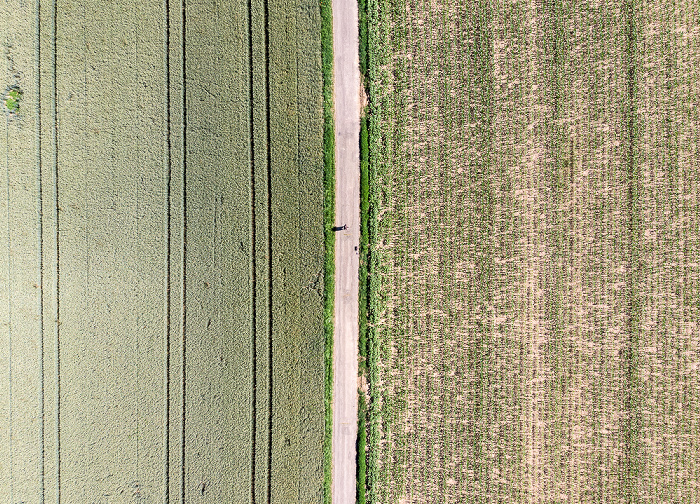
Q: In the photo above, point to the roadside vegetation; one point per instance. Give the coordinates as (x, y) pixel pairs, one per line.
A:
(13, 97)
(329, 236)
(363, 305)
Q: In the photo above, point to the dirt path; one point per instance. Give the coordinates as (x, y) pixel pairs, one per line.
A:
(347, 125)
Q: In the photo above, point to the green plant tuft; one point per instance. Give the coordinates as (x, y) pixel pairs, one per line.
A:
(12, 100)
(329, 236)
(361, 450)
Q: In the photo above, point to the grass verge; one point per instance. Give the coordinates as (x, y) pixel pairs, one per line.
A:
(364, 242)
(363, 32)
(364, 264)
(361, 443)
(373, 152)
(329, 237)
(363, 309)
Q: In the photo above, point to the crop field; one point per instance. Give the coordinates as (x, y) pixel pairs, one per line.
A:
(534, 272)
(162, 273)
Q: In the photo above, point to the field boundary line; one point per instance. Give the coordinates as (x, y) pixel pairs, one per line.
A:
(253, 263)
(168, 250)
(328, 238)
(40, 222)
(183, 244)
(57, 346)
(266, 23)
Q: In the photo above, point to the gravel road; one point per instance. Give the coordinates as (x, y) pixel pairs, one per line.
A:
(347, 126)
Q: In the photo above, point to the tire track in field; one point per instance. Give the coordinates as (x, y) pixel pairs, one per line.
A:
(168, 251)
(252, 261)
(54, 137)
(261, 226)
(174, 444)
(40, 222)
(268, 158)
(268, 153)
(53, 170)
(183, 247)
(261, 250)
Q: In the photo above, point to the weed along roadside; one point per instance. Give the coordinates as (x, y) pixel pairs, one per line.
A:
(329, 239)
(363, 288)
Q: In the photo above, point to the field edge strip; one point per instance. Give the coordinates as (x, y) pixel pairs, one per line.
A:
(372, 61)
(363, 288)
(168, 250)
(253, 284)
(328, 236)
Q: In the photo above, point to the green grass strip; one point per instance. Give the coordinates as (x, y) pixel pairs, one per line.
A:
(361, 443)
(363, 36)
(368, 413)
(329, 237)
(364, 242)
(362, 410)
(376, 54)
(363, 308)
